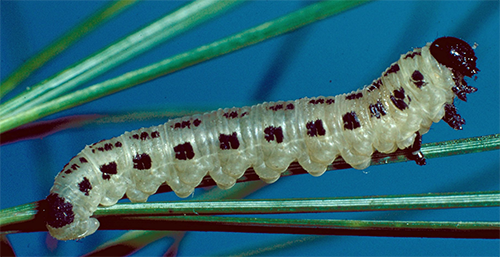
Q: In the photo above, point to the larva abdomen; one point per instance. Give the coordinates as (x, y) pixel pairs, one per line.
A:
(390, 113)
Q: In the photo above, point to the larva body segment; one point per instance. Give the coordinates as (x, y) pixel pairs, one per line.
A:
(388, 114)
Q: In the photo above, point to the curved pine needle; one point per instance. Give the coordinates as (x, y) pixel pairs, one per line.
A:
(232, 43)
(165, 28)
(40, 129)
(61, 44)
(44, 128)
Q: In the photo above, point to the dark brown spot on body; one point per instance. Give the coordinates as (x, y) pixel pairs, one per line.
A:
(398, 99)
(375, 85)
(196, 122)
(144, 136)
(83, 160)
(351, 121)
(59, 212)
(184, 151)
(231, 115)
(142, 162)
(228, 141)
(290, 106)
(276, 107)
(354, 96)
(108, 147)
(155, 134)
(273, 133)
(97, 143)
(317, 101)
(315, 128)
(413, 54)
(377, 110)
(108, 170)
(118, 144)
(418, 79)
(393, 69)
(85, 186)
(183, 124)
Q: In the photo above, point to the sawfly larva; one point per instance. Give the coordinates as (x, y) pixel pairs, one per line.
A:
(389, 114)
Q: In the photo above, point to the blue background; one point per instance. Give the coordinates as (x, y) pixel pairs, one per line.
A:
(350, 50)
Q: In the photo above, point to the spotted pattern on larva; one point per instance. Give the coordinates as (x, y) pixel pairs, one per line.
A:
(392, 112)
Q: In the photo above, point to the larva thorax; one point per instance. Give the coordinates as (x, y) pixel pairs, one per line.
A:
(390, 113)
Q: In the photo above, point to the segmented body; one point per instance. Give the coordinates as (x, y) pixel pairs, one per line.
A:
(390, 113)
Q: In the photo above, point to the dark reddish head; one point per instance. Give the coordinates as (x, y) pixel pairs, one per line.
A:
(455, 54)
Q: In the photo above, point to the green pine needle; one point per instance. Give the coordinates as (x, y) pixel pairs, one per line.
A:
(171, 25)
(38, 108)
(192, 216)
(64, 42)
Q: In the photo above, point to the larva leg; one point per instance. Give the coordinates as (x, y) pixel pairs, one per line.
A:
(413, 152)
(461, 89)
(452, 117)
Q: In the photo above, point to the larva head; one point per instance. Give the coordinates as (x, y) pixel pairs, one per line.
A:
(455, 54)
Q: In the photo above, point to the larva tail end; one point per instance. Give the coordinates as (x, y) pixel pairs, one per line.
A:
(63, 223)
(413, 152)
(76, 230)
(59, 211)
